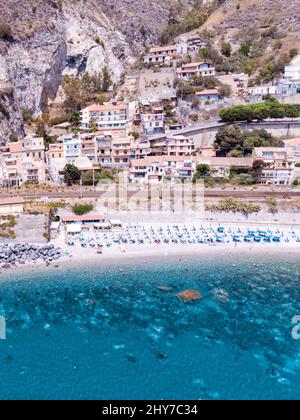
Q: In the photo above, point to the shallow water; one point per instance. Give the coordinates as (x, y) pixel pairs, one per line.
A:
(111, 333)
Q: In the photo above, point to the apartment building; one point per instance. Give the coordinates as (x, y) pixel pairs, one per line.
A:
(23, 161)
(295, 145)
(152, 117)
(159, 55)
(195, 69)
(176, 145)
(179, 146)
(139, 149)
(279, 165)
(107, 116)
(88, 147)
(104, 148)
(156, 169)
(72, 145)
(55, 151)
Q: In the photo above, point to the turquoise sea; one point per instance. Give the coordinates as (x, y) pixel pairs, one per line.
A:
(110, 333)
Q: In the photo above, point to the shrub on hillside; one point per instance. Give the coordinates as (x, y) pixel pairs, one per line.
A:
(81, 209)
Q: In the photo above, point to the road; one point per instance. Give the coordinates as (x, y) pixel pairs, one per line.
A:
(209, 193)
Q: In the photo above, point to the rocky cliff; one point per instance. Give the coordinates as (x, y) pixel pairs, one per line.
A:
(51, 38)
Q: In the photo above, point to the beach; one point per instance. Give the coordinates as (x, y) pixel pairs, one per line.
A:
(133, 252)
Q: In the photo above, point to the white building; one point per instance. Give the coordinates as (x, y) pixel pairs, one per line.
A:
(292, 72)
(295, 145)
(159, 55)
(279, 165)
(156, 169)
(106, 116)
(262, 90)
(195, 69)
(72, 148)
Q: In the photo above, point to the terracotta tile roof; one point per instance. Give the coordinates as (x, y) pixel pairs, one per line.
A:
(192, 65)
(108, 107)
(15, 147)
(85, 218)
(208, 92)
(162, 49)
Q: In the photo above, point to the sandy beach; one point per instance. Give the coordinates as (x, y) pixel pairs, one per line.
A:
(135, 254)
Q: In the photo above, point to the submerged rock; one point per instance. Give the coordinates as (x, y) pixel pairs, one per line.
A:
(165, 288)
(188, 296)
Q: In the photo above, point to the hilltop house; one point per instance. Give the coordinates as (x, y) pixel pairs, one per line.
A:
(159, 55)
(208, 95)
(263, 90)
(195, 69)
(292, 72)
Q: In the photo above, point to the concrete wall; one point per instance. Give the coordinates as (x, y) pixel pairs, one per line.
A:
(11, 209)
(206, 136)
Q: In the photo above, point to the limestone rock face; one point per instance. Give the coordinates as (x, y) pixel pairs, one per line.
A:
(57, 37)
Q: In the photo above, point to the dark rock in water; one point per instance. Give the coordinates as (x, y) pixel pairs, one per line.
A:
(161, 356)
(131, 358)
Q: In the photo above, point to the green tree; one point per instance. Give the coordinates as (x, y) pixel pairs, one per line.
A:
(202, 170)
(257, 168)
(225, 91)
(13, 138)
(106, 80)
(229, 138)
(81, 209)
(74, 117)
(245, 49)
(226, 49)
(293, 53)
(184, 90)
(71, 174)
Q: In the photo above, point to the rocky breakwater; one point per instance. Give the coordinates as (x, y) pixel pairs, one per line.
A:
(12, 255)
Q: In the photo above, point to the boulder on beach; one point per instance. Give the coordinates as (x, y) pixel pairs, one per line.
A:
(188, 296)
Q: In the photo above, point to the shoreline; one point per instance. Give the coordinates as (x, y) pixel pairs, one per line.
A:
(76, 257)
(139, 256)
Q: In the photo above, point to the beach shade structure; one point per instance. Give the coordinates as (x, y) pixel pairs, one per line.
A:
(257, 238)
(220, 238)
(262, 232)
(102, 226)
(276, 239)
(251, 232)
(115, 223)
(73, 229)
(248, 238)
(236, 238)
(267, 238)
(221, 229)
